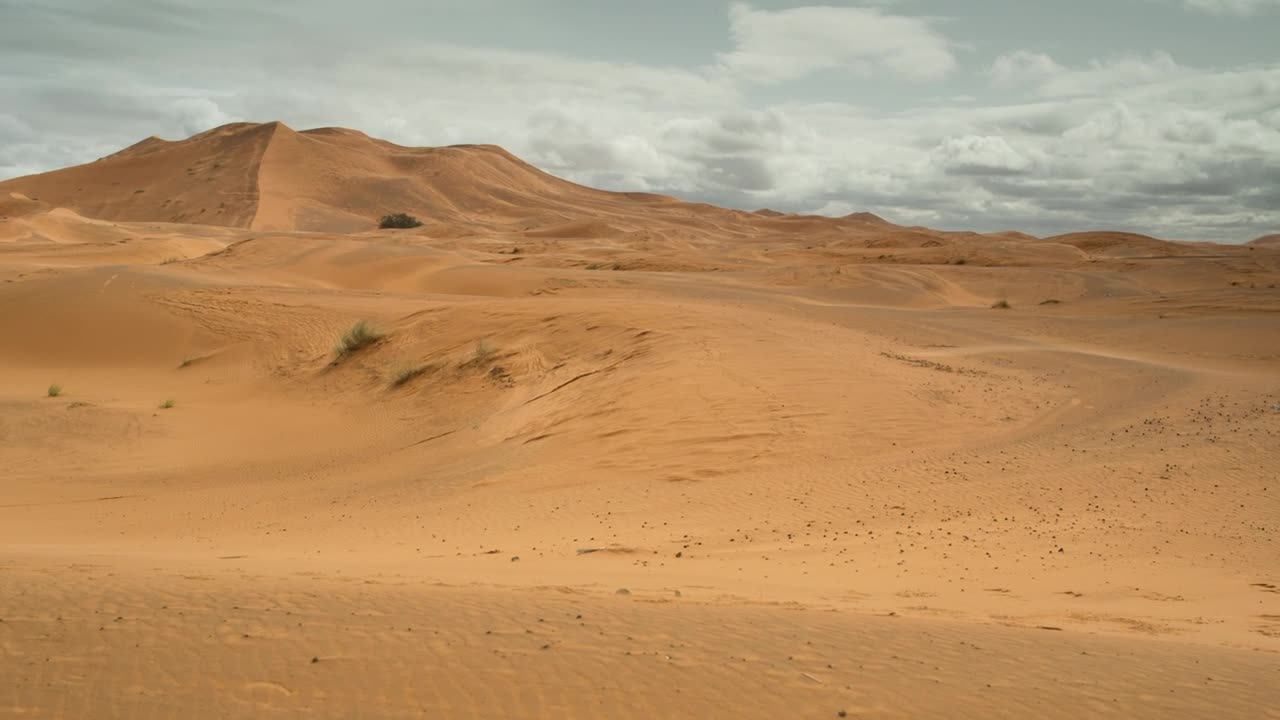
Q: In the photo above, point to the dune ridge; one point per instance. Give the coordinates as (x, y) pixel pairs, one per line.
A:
(270, 177)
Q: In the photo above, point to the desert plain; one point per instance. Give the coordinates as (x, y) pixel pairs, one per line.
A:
(614, 455)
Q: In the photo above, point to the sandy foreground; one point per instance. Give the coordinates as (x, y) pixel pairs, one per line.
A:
(616, 455)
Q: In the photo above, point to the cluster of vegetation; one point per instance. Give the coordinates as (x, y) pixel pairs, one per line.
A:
(359, 336)
(404, 374)
(399, 221)
(55, 390)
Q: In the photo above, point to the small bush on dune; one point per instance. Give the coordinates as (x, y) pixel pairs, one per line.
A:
(405, 373)
(357, 337)
(167, 404)
(1050, 301)
(1001, 305)
(481, 356)
(399, 221)
(55, 390)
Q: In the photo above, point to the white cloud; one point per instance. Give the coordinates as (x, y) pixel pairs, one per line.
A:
(981, 155)
(197, 114)
(1023, 68)
(778, 45)
(1230, 7)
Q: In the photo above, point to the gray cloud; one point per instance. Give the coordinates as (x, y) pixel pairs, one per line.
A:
(778, 45)
(803, 108)
(1231, 7)
(981, 155)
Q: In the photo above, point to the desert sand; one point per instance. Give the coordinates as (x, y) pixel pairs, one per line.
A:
(615, 454)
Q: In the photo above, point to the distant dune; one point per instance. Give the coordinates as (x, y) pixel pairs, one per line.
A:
(867, 217)
(1015, 235)
(271, 177)
(1123, 244)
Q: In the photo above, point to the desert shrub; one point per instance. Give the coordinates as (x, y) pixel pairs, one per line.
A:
(1050, 301)
(167, 404)
(405, 373)
(1001, 305)
(399, 221)
(358, 336)
(55, 390)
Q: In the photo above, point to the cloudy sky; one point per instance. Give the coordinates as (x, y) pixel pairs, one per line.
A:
(1158, 116)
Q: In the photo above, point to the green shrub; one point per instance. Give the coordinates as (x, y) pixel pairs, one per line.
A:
(357, 337)
(405, 373)
(399, 221)
(55, 390)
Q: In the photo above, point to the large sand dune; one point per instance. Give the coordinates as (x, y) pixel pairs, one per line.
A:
(614, 455)
(269, 177)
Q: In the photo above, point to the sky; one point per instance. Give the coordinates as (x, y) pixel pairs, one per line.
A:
(1153, 116)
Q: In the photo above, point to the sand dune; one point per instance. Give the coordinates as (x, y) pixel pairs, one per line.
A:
(614, 455)
(210, 178)
(269, 177)
(1120, 244)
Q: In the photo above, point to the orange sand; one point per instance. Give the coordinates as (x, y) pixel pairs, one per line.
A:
(660, 460)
